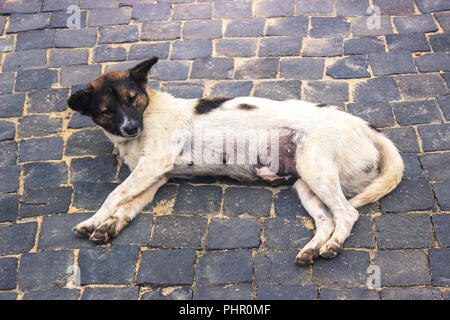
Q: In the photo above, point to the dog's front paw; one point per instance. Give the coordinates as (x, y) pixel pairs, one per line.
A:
(306, 257)
(84, 229)
(329, 250)
(107, 230)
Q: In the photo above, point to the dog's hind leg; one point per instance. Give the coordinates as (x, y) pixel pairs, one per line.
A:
(321, 174)
(111, 226)
(323, 220)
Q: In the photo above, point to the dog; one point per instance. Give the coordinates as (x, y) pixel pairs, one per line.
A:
(327, 154)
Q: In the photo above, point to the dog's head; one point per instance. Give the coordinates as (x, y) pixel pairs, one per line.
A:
(116, 100)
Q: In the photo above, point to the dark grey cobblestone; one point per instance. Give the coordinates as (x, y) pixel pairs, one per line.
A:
(9, 178)
(351, 67)
(442, 195)
(413, 169)
(441, 224)
(415, 23)
(286, 292)
(349, 294)
(228, 292)
(302, 69)
(416, 112)
(245, 28)
(8, 268)
(50, 148)
(47, 100)
(439, 260)
(247, 201)
(377, 113)
(44, 174)
(435, 137)
(179, 293)
(410, 294)
(66, 57)
(42, 201)
(38, 126)
(8, 153)
(9, 206)
(409, 195)
(279, 90)
(285, 233)
(52, 294)
(363, 45)
(233, 233)
(433, 62)
(126, 293)
(436, 166)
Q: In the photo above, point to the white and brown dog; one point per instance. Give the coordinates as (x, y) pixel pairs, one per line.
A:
(325, 153)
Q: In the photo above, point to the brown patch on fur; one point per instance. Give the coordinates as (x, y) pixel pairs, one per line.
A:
(246, 106)
(208, 104)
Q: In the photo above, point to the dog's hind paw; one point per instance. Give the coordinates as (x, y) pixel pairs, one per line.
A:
(306, 257)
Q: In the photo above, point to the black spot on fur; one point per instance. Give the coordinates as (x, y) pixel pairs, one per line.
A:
(245, 106)
(322, 105)
(369, 168)
(206, 105)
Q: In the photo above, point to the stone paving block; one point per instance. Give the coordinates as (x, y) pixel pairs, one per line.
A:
(285, 233)
(191, 49)
(247, 201)
(389, 63)
(173, 231)
(52, 294)
(161, 30)
(279, 46)
(212, 68)
(258, 68)
(322, 47)
(79, 74)
(279, 267)
(90, 4)
(109, 16)
(9, 176)
(440, 42)
(35, 39)
(17, 238)
(160, 50)
(433, 62)
(399, 7)
(279, 90)
(236, 47)
(192, 11)
(413, 169)
(220, 267)
(111, 265)
(439, 262)
(441, 224)
(232, 89)
(436, 165)
(170, 70)
(7, 43)
(245, 28)
(25, 22)
(420, 23)
(286, 292)
(402, 267)
(409, 195)
(349, 294)
(169, 293)
(287, 204)
(287, 26)
(108, 53)
(447, 78)
(44, 174)
(25, 60)
(2, 22)
(347, 269)
(435, 137)
(166, 267)
(204, 29)
(35, 79)
(407, 42)
(53, 5)
(442, 195)
(185, 90)
(41, 270)
(326, 91)
(58, 19)
(74, 38)
(273, 8)
(7, 295)
(233, 233)
(88, 142)
(120, 34)
(363, 45)
(7, 130)
(78, 121)
(377, 89)
(93, 169)
(198, 199)
(8, 277)
(400, 231)
(42, 201)
(410, 294)
(9, 205)
(444, 20)
(405, 139)
(137, 232)
(164, 194)
(378, 114)
(41, 149)
(361, 235)
(22, 6)
(90, 195)
(329, 27)
(8, 153)
(38, 125)
(124, 293)
(6, 85)
(302, 68)
(51, 100)
(362, 27)
(415, 112)
(348, 8)
(432, 6)
(228, 292)
(315, 6)
(65, 57)
(234, 9)
(350, 67)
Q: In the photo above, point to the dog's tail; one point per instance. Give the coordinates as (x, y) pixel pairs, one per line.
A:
(391, 165)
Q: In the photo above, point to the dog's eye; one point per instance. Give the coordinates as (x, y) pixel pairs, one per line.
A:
(131, 99)
(108, 112)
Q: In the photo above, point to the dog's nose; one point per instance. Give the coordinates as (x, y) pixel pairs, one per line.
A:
(131, 128)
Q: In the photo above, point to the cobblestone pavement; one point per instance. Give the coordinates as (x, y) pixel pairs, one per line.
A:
(214, 238)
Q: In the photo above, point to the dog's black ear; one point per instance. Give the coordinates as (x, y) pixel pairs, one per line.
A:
(81, 101)
(139, 72)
